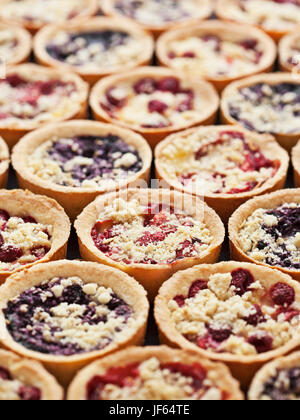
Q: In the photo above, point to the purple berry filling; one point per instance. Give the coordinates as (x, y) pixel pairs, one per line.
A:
(282, 386)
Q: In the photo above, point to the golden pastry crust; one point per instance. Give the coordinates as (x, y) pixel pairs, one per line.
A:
(204, 92)
(22, 50)
(270, 370)
(75, 199)
(224, 204)
(151, 276)
(77, 109)
(233, 34)
(93, 72)
(243, 367)
(33, 374)
(289, 52)
(202, 11)
(230, 10)
(4, 163)
(87, 10)
(296, 164)
(286, 140)
(220, 374)
(65, 367)
(269, 201)
(45, 211)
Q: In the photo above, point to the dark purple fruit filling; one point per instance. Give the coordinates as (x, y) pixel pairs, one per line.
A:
(283, 387)
(25, 392)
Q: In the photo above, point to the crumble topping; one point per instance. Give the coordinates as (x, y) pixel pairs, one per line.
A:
(152, 380)
(129, 232)
(153, 103)
(284, 386)
(8, 44)
(22, 241)
(213, 56)
(65, 316)
(13, 389)
(273, 236)
(85, 161)
(267, 108)
(217, 163)
(95, 49)
(237, 314)
(158, 12)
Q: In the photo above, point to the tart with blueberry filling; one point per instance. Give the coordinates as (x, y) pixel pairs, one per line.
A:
(266, 231)
(276, 17)
(4, 163)
(154, 102)
(241, 314)
(219, 52)
(158, 16)
(32, 95)
(66, 314)
(149, 234)
(95, 48)
(266, 103)
(296, 164)
(75, 161)
(289, 52)
(278, 380)
(26, 380)
(34, 14)
(154, 373)
(33, 229)
(224, 164)
(15, 44)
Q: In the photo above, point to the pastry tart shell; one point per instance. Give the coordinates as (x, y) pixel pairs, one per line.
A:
(4, 163)
(284, 48)
(296, 164)
(24, 44)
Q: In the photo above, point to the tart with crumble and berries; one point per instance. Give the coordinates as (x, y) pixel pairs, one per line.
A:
(95, 48)
(266, 231)
(75, 161)
(15, 44)
(33, 229)
(241, 314)
(4, 163)
(32, 95)
(158, 16)
(154, 102)
(149, 234)
(276, 17)
(278, 380)
(26, 380)
(296, 164)
(266, 103)
(219, 52)
(34, 14)
(225, 165)
(154, 373)
(66, 314)
(289, 52)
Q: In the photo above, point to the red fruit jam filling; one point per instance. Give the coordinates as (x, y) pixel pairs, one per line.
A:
(13, 389)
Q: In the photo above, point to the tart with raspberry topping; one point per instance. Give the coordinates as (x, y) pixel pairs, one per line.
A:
(15, 44)
(266, 103)
(227, 165)
(278, 380)
(219, 52)
(75, 161)
(34, 14)
(276, 17)
(158, 15)
(95, 48)
(296, 164)
(26, 380)
(154, 373)
(32, 95)
(149, 234)
(4, 163)
(237, 313)
(289, 52)
(266, 231)
(66, 314)
(33, 229)
(154, 102)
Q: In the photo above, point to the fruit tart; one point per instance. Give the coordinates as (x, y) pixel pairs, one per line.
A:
(32, 95)
(33, 229)
(296, 164)
(149, 234)
(154, 373)
(266, 103)
(26, 380)
(226, 165)
(217, 51)
(4, 163)
(66, 314)
(289, 52)
(94, 48)
(278, 380)
(75, 161)
(266, 231)
(238, 313)
(154, 102)
(15, 44)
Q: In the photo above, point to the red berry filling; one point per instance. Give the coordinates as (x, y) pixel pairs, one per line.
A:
(25, 392)
(241, 280)
(282, 294)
